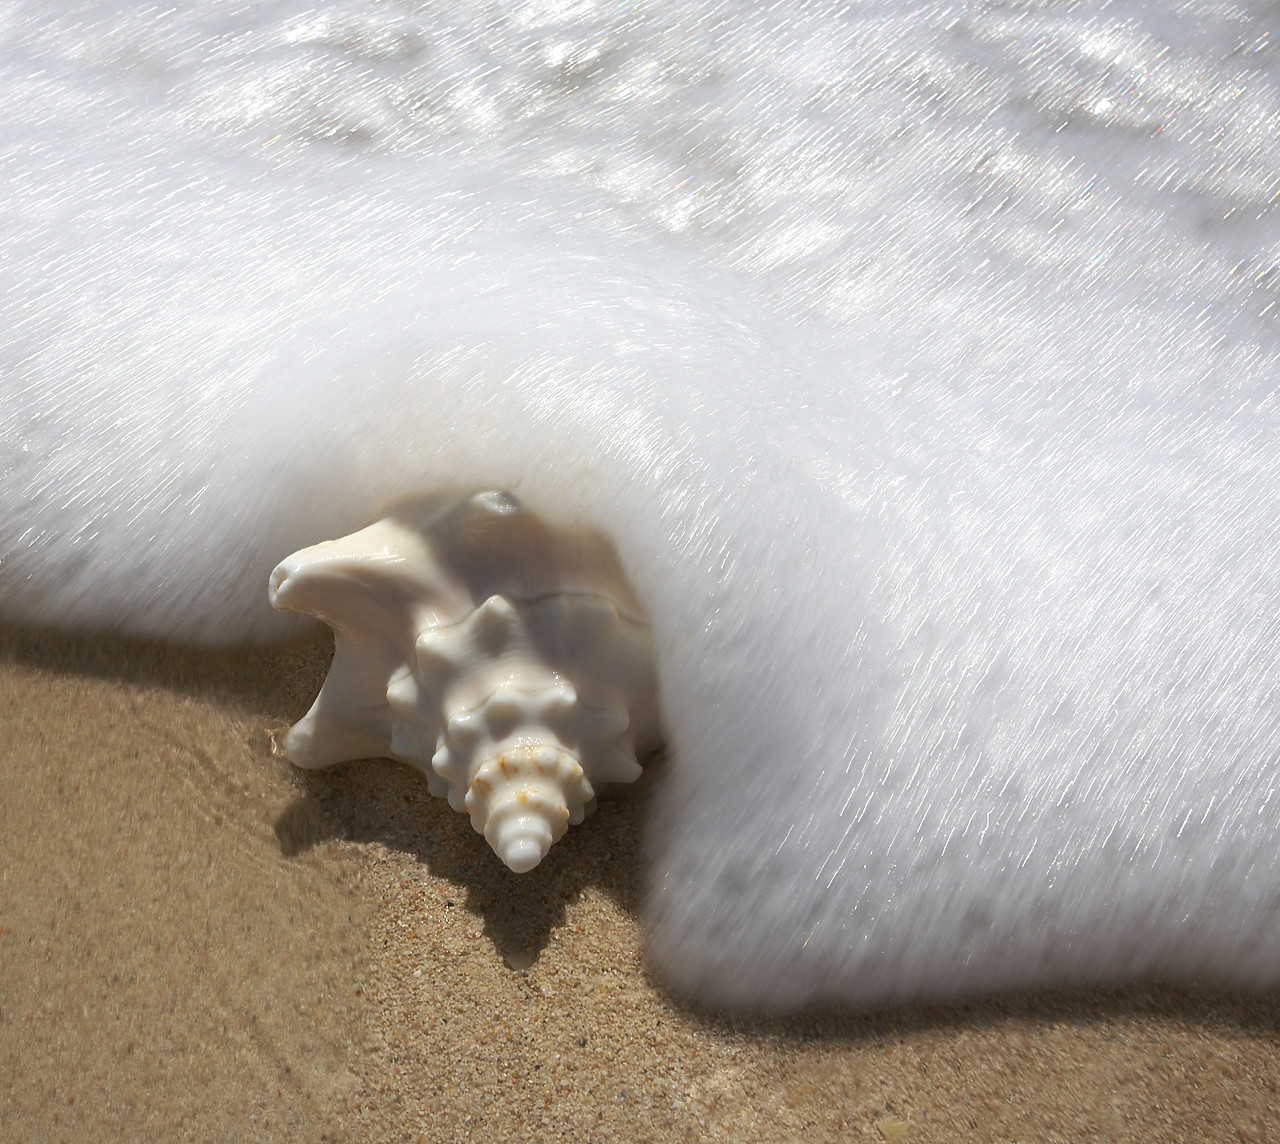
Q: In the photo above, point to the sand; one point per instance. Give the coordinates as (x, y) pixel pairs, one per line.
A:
(198, 942)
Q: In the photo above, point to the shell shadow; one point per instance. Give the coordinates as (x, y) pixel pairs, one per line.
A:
(379, 801)
(374, 801)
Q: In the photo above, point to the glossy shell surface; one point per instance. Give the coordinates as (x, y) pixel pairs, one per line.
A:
(504, 658)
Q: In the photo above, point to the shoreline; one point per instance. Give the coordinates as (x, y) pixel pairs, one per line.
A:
(201, 941)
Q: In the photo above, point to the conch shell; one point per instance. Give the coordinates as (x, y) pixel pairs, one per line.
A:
(506, 659)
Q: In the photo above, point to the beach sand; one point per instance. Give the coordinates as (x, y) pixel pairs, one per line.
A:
(198, 942)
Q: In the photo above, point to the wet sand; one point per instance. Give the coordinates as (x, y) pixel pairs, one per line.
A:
(198, 942)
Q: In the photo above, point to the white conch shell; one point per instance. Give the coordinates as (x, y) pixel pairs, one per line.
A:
(505, 659)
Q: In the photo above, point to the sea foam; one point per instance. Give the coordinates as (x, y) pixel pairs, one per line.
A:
(919, 359)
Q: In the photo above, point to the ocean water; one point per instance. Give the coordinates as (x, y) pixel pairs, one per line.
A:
(919, 359)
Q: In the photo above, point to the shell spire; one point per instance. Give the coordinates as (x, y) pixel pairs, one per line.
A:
(517, 709)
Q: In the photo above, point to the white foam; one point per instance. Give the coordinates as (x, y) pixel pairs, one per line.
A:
(920, 360)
